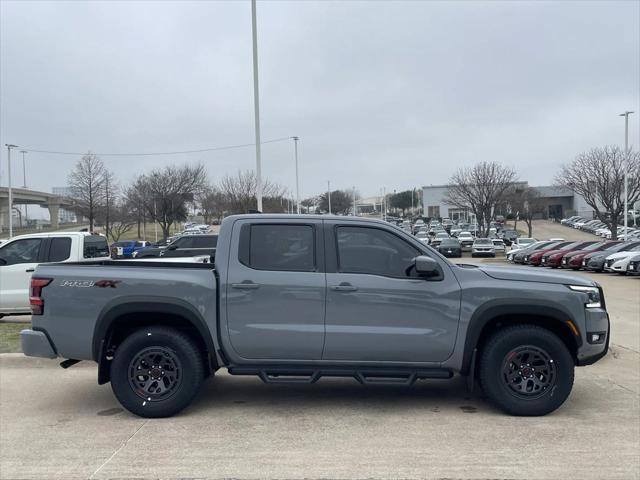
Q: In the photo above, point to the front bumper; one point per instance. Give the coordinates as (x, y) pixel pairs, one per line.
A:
(36, 344)
(596, 321)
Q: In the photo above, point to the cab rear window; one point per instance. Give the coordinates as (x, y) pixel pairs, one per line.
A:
(95, 246)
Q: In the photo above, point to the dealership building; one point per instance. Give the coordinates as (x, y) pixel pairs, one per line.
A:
(558, 202)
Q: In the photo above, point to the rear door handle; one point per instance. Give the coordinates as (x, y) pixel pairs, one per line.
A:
(246, 285)
(29, 270)
(344, 287)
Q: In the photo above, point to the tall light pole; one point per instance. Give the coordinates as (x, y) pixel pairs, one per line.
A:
(295, 143)
(256, 104)
(329, 195)
(626, 161)
(24, 182)
(355, 208)
(9, 147)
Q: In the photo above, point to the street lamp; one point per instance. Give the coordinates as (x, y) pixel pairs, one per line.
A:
(626, 154)
(24, 182)
(295, 143)
(256, 104)
(329, 194)
(9, 147)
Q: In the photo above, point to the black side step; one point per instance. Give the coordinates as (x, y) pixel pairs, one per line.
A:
(366, 376)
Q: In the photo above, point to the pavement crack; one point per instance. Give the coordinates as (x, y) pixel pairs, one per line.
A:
(124, 444)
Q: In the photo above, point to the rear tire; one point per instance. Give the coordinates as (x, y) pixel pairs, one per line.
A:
(526, 370)
(157, 372)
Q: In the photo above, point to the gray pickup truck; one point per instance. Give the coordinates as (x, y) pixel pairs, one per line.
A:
(295, 298)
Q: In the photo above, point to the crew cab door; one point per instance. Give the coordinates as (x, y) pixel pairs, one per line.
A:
(275, 289)
(18, 259)
(378, 308)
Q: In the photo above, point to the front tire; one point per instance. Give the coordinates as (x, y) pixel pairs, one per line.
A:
(526, 370)
(156, 372)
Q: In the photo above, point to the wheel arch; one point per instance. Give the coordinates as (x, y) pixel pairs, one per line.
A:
(492, 317)
(116, 321)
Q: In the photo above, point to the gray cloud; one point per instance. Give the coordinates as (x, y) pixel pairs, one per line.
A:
(394, 94)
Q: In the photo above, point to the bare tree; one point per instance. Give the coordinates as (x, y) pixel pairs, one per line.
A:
(212, 204)
(309, 203)
(165, 193)
(598, 177)
(481, 188)
(110, 200)
(239, 192)
(123, 219)
(532, 206)
(86, 183)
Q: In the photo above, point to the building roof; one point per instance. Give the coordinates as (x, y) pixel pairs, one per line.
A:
(554, 191)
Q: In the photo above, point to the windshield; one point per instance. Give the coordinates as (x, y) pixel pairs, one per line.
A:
(483, 241)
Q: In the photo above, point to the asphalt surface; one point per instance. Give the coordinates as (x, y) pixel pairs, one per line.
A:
(60, 424)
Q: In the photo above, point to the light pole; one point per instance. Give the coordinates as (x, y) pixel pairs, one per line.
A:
(329, 195)
(9, 147)
(626, 161)
(355, 208)
(256, 104)
(24, 183)
(295, 143)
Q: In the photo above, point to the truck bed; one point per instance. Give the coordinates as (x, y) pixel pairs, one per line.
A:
(82, 296)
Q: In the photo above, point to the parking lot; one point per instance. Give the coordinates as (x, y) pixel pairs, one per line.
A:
(57, 423)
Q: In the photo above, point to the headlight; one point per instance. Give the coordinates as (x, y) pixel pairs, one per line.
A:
(134, 254)
(593, 294)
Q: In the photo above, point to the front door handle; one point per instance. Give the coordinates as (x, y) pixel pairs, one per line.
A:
(344, 287)
(29, 270)
(246, 285)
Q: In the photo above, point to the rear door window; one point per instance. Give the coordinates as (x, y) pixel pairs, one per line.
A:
(59, 249)
(281, 248)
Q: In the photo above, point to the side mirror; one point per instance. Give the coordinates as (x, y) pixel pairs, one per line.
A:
(172, 247)
(427, 266)
(2, 261)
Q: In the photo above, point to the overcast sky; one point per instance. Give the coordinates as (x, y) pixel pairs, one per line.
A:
(382, 94)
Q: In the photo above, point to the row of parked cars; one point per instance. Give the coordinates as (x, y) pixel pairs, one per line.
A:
(600, 228)
(452, 238)
(617, 256)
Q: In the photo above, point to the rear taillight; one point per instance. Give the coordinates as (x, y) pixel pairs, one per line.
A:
(35, 298)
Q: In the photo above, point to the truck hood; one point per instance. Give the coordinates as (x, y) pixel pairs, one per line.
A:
(527, 275)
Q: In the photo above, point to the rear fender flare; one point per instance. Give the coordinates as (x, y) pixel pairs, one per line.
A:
(149, 304)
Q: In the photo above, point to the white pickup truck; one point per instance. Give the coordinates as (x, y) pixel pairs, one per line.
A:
(20, 255)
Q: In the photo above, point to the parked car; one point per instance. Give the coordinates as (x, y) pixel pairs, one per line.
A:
(450, 247)
(522, 256)
(509, 236)
(483, 247)
(574, 259)
(281, 302)
(522, 242)
(185, 246)
(498, 245)
(553, 258)
(535, 258)
(439, 238)
(595, 262)
(20, 255)
(618, 262)
(466, 241)
(634, 266)
(423, 236)
(126, 248)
